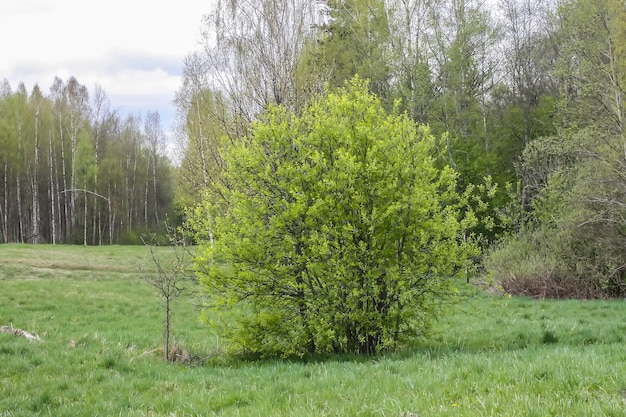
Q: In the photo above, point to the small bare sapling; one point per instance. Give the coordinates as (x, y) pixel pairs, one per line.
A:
(171, 273)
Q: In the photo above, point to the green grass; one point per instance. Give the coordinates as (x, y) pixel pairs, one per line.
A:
(489, 356)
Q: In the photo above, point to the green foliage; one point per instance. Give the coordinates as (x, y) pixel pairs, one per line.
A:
(571, 245)
(204, 138)
(339, 235)
(354, 41)
(76, 173)
(590, 65)
(157, 235)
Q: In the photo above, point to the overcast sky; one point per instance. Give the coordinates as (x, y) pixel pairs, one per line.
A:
(133, 48)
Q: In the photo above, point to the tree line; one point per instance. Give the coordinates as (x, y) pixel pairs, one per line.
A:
(483, 75)
(527, 95)
(74, 171)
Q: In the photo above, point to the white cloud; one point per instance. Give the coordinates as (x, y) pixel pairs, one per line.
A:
(133, 48)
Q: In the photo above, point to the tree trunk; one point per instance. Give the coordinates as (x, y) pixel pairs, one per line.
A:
(53, 193)
(145, 202)
(166, 333)
(111, 218)
(18, 185)
(5, 212)
(85, 217)
(73, 147)
(36, 215)
(66, 207)
(154, 184)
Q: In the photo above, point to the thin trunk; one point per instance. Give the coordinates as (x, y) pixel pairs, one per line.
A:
(133, 196)
(20, 222)
(168, 316)
(483, 110)
(129, 192)
(36, 215)
(110, 214)
(52, 193)
(66, 207)
(56, 188)
(147, 194)
(85, 217)
(73, 146)
(154, 184)
(96, 212)
(5, 213)
(145, 204)
(96, 235)
(203, 158)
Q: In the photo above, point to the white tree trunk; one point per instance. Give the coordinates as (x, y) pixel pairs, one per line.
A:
(5, 213)
(18, 185)
(53, 193)
(36, 215)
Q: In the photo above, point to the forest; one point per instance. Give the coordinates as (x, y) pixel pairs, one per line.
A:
(74, 172)
(526, 96)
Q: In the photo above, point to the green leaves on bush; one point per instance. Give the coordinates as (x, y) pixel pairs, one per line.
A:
(339, 232)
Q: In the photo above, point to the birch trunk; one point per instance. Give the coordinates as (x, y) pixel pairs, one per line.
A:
(5, 212)
(36, 215)
(52, 193)
(154, 184)
(18, 186)
(85, 217)
(66, 206)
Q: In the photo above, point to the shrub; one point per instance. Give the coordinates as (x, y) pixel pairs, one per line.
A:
(339, 232)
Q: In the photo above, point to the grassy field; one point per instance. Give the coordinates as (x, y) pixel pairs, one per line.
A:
(102, 326)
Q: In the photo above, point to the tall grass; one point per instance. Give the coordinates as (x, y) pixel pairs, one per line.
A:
(102, 327)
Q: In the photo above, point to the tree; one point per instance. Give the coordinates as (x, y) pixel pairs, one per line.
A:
(201, 133)
(36, 102)
(250, 57)
(103, 121)
(72, 112)
(354, 40)
(464, 38)
(531, 90)
(573, 245)
(155, 138)
(21, 115)
(5, 93)
(169, 277)
(63, 172)
(339, 235)
(252, 49)
(409, 35)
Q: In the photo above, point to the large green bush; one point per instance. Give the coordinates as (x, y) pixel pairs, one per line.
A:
(339, 233)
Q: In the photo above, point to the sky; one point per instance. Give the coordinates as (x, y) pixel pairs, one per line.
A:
(134, 49)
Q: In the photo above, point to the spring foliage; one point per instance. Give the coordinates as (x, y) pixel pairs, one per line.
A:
(339, 232)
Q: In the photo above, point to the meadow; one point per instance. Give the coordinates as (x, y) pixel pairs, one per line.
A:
(101, 325)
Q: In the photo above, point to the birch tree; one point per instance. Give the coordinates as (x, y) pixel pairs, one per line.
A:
(103, 124)
(155, 138)
(529, 55)
(251, 52)
(20, 112)
(37, 103)
(409, 35)
(5, 93)
(353, 40)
